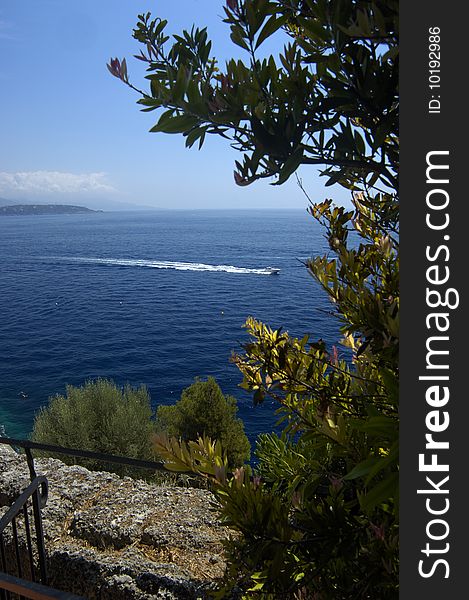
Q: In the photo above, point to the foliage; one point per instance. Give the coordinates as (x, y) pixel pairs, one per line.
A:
(329, 99)
(203, 410)
(101, 417)
(320, 517)
(202, 456)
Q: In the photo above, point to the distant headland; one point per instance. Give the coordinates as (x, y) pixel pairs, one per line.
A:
(44, 209)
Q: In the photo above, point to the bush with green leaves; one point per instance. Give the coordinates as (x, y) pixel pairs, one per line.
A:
(203, 410)
(319, 519)
(102, 417)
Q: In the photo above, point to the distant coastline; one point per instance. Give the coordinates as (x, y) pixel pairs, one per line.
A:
(44, 209)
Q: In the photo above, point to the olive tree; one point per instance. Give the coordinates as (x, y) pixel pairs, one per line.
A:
(102, 417)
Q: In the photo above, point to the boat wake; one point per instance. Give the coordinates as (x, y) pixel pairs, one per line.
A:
(163, 264)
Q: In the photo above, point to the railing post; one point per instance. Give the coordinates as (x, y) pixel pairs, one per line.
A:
(39, 536)
(30, 461)
(29, 542)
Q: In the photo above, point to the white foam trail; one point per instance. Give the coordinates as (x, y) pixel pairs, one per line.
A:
(164, 264)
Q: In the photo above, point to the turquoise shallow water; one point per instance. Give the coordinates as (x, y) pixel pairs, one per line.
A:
(148, 297)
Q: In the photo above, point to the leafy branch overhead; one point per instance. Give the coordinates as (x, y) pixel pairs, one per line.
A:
(329, 98)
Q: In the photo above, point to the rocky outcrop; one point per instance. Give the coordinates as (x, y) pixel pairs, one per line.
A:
(117, 538)
(44, 209)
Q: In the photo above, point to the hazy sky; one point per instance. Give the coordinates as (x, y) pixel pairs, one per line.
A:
(72, 132)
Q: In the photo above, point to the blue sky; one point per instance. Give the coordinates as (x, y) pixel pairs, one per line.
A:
(73, 133)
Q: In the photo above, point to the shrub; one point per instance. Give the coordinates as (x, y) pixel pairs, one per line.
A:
(204, 410)
(101, 417)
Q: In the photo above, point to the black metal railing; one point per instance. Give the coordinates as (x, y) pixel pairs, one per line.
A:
(19, 588)
(28, 507)
(18, 556)
(36, 496)
(27, 446)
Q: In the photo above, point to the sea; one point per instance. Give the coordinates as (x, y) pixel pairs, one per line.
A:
(149, 297)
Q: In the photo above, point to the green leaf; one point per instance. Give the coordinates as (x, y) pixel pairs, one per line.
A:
(391, 459)
(383, 491)
(177, 124)
(193, 136)
(391, 382)
(237, 38)
(181, 83)
(273, 24)
(387, 427)
(362, 469)
(290, 166)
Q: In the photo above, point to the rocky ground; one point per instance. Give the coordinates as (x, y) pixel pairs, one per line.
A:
(117, 538)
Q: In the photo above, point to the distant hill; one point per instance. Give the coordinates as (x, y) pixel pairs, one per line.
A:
(94, 203)
(43, 209)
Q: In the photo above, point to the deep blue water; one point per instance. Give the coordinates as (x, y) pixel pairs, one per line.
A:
(134, 296)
